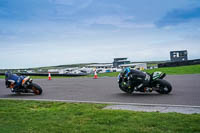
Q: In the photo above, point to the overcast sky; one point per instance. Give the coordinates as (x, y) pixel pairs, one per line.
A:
(36, 33)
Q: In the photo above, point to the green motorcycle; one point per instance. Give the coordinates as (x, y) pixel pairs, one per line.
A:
(153, 82)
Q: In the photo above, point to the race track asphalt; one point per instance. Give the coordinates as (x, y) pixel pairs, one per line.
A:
(186, 91)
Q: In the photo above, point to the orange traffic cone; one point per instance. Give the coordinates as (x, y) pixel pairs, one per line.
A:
(49, 76)
(95, 74)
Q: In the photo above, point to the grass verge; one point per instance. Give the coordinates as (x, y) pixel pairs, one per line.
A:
(42, 117)
(46, 77)
(193, 69)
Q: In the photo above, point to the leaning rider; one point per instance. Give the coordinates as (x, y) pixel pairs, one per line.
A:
(125, 73)
(141, 79)
(14, 79)
(127, 70)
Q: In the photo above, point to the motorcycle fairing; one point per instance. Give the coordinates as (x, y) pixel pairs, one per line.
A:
(158, 75)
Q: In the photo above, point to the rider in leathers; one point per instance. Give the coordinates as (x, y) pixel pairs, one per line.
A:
(15, 80)
(140, 79)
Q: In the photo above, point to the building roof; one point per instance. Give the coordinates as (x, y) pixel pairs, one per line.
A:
(135, 64)
(99, 65)
(120, 58)
(179, 51)
(122, 61)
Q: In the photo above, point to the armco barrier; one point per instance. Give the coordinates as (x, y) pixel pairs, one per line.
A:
(180, 63)
(46, 74)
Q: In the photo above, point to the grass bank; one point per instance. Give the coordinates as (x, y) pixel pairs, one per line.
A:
(45, 77)
(43, 117)
(193, 69)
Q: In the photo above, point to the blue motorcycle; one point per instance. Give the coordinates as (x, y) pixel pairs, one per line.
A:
(21, 84)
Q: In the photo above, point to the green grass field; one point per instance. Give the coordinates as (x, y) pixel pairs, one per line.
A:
(193, 69)
(45, 77)
(58, 117)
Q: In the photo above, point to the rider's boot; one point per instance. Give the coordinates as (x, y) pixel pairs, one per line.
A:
(12, 90)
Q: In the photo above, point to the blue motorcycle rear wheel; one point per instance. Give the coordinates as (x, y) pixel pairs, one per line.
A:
(36, 88)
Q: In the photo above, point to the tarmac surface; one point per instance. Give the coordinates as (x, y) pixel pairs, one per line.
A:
(186, 91)
(156, 108)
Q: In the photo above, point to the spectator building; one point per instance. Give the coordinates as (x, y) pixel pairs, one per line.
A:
(178, 55)
(120, 61)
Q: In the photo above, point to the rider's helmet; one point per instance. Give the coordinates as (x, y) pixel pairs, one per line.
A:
(8, 74)
(127, 69)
